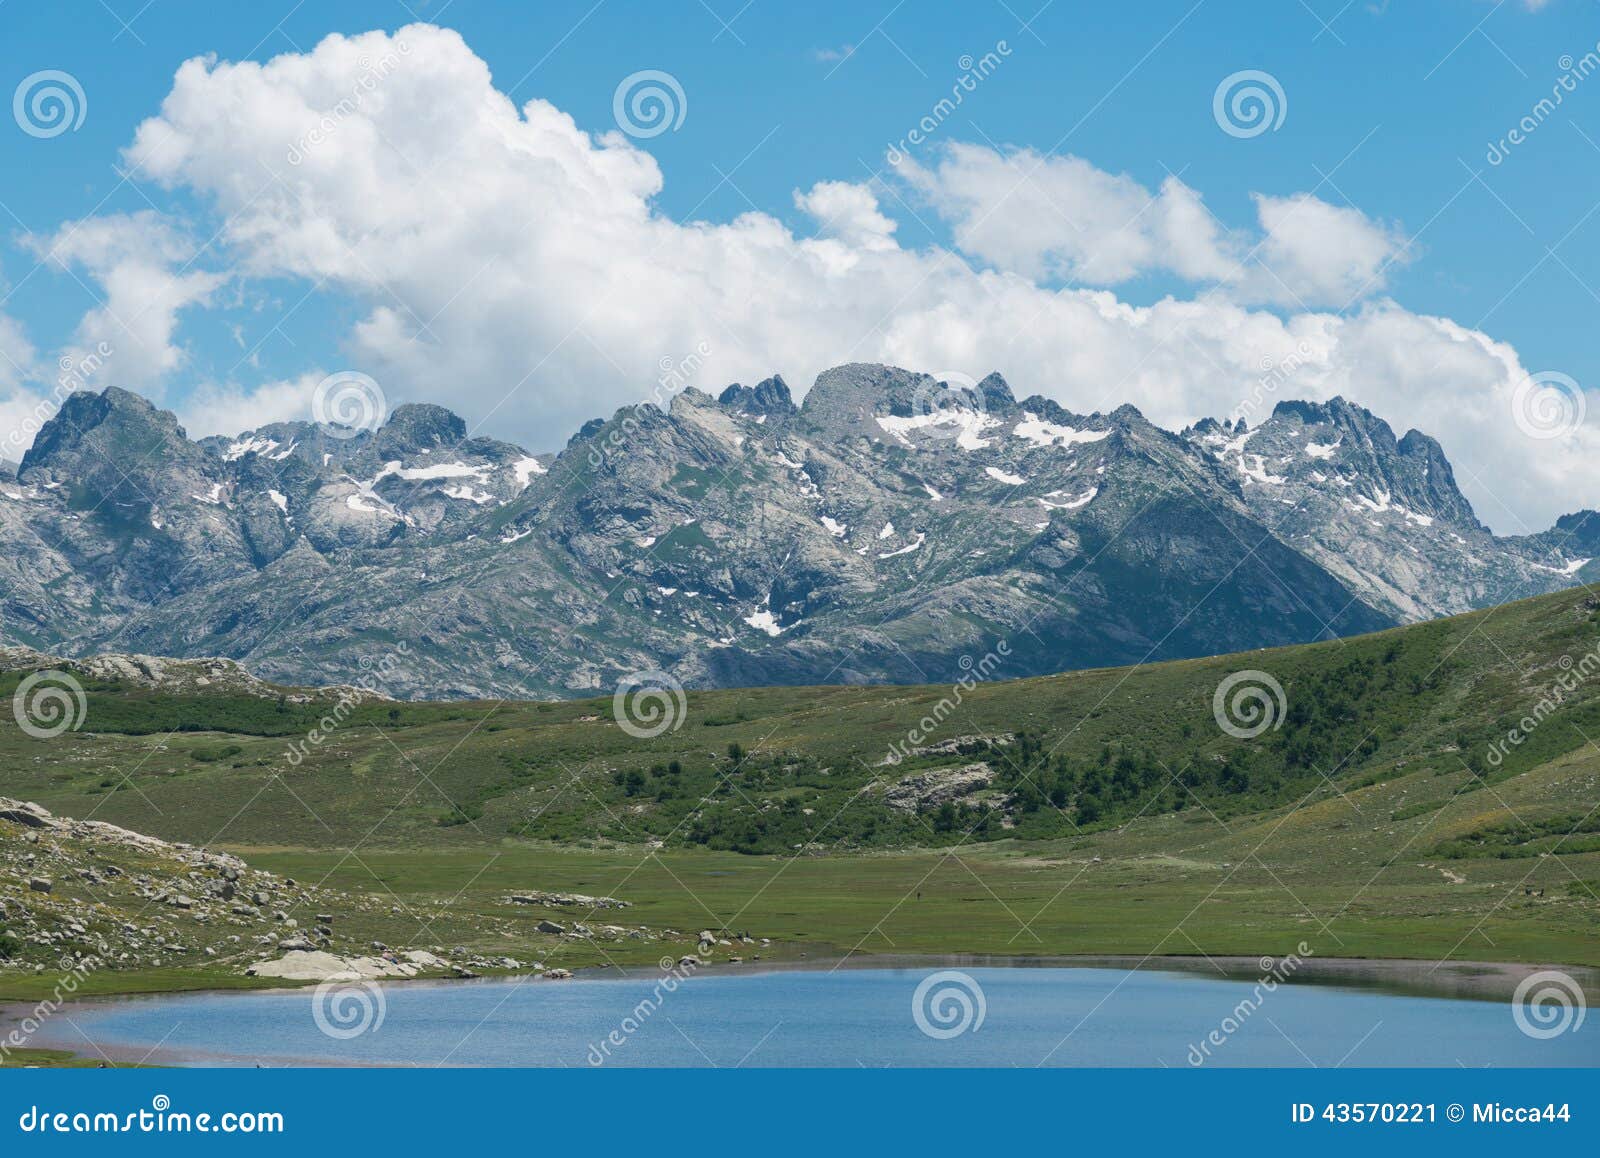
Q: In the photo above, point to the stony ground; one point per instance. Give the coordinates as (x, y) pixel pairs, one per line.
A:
(93, 894)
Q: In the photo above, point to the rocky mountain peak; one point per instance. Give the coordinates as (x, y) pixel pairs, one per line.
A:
(112, 420)
(587, 431)
(419, 426)
(1579, 532)
(770, 397)
(1358, 452)
(853, 398)
(996, 393)
(1337, 411)
(857, 390)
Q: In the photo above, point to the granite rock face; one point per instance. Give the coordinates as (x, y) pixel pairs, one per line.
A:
(890, 528)
(1384, 514)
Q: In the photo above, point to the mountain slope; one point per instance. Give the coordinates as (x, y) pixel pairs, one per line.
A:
(1384, 515)
(882, 530)
(1428, 708)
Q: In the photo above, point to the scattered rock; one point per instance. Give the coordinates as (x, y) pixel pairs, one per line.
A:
(567, 900)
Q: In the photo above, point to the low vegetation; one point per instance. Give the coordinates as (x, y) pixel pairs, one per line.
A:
(1382, 812)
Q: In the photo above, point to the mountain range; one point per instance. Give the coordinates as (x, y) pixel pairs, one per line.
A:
(890, 528)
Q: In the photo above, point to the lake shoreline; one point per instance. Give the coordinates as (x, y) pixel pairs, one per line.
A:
(1459, 980)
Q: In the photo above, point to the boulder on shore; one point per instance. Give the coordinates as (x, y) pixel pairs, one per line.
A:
(316, 965)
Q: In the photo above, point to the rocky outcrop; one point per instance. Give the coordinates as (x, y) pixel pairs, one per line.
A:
(566, 901)
(84, 890)
(177, 676)
(927, 790)
(311, 965)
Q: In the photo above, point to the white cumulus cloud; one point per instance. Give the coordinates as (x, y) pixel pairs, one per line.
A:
(511, 264)
(1061, 218)
(141, 264)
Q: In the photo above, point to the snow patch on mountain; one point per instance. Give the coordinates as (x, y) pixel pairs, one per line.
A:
(248, 445)
(968, 425)
(1034, 429)
(525, 468)
(906, 550)
(1067, 503)
(1258, 472)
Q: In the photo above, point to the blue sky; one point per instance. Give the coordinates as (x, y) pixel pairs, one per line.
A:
(1390, 112)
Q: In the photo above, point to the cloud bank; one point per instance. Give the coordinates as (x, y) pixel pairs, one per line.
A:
(514, 266)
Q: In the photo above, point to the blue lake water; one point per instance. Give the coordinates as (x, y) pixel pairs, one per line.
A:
(868, 1017)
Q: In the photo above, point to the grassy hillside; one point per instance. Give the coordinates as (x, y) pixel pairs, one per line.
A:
(764, 770)
(1108, 811)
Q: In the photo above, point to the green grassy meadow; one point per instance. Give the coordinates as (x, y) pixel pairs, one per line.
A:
(1378, 819)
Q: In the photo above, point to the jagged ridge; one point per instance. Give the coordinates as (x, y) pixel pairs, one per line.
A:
(879, 531)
